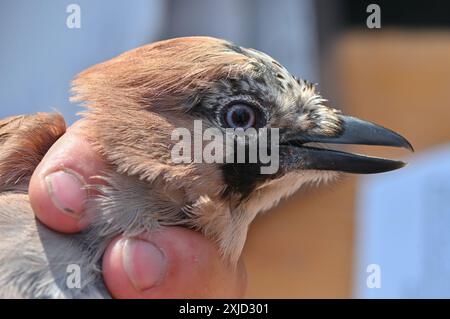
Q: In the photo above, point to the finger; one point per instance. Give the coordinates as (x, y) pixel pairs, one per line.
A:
(170, 263)
(57, 188)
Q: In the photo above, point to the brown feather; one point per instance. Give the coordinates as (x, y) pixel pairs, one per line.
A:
(24, 140)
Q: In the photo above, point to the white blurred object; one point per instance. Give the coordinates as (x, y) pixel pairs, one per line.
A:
(403, 227)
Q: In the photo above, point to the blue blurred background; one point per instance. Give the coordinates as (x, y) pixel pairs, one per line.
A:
(40, 54)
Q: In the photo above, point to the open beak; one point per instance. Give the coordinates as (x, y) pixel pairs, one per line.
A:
(354, 131)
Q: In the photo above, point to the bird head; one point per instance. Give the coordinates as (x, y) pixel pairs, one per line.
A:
(137, 100)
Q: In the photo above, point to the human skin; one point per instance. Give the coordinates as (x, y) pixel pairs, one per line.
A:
(171, 262)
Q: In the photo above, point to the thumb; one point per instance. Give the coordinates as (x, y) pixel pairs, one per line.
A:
(170, 263)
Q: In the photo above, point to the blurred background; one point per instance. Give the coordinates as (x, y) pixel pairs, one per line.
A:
(371, 237)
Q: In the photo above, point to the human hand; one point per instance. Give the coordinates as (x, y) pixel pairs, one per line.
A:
(172, 262)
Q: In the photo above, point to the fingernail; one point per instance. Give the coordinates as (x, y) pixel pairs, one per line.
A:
(144, 263)
(67, 191)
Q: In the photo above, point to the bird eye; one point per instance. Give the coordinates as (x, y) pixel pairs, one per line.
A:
(240, 115)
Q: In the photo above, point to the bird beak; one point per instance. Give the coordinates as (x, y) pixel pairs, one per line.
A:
(354, 131)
